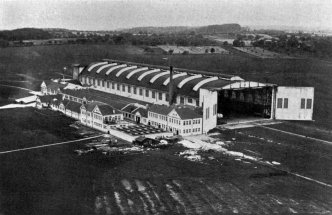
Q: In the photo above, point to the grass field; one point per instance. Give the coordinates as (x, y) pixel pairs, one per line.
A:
(36, 63)
(55, 180)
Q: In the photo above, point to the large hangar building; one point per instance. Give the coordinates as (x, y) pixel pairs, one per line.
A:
(215, 94)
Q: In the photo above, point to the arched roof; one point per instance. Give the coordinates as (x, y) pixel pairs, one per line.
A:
(184, 83)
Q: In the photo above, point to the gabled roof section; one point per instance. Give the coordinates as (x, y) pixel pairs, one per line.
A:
(142, 111)
(161, 109)
(107, 110)
(74, 106)
(187, 112)
(54, 85)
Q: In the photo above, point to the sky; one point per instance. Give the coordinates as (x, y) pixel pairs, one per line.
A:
(117, 14)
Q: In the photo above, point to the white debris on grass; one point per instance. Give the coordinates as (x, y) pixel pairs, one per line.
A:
(127, 185)
(191, 155)
(18, 106)
(275, 163)
(201, 145)
(220, 143)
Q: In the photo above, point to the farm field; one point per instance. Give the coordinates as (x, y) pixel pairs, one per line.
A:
(28, 66)
(194, 49)
(261, 53)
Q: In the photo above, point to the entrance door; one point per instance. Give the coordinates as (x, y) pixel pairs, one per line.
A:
(294, 103)
(138, 119)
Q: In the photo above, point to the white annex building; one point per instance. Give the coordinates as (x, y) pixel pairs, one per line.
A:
(181, 101)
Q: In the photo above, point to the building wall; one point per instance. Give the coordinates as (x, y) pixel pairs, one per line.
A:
(208, 100)
(173, 123)
(288, 103)
(112, 87)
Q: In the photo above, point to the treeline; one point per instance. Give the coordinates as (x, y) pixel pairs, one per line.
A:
(191, 39)
(24, 34)
(209, 29)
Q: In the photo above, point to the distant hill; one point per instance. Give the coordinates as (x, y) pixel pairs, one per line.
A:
(156, 30)
(219, 29)
(210, 29)
(24, 34)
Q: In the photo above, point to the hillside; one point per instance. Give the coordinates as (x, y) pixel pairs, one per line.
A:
(209, 29)
(24, 34)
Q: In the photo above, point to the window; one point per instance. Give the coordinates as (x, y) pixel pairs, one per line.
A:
(113, 85)
(129, 89)
(302, 103)
(135, 90)
(123, 88)
(285, 102)
(181, 100)
(207, 112)
(279, 103)
(153, 94)
(160, 95)
(167, 97)
(197, 103)
(140, 91)
(309, 103)
(214, 109)
(102, 83)
(146, 93)
(190, 100)
(108, 84)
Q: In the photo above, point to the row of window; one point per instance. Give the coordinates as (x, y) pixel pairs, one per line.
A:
(282, 103)
(305, 103)
(96, 116)
(172, 120)
(133, 89)
(98, 124)
(187, 131)
(184, 131)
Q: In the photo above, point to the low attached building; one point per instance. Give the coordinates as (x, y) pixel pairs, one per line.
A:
(181, 120)
(73, 110)
(99, 116)
(46, 101)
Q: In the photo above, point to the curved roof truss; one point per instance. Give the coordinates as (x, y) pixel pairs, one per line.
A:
(114, 68)
(136, 71)
(201, 83)
(158, 76)
(180, 85)
(104, 67)
(95, 65)
(125, 69)
(174, 76)
(147, 73)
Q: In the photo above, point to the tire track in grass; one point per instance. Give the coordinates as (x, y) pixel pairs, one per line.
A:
(49, 145)
(130, 196)
(161, 205)
(222, 206)
(237, 203)
(177, 198)
(261, 204)
(203, 200)
(141, 188)
(197, 201)
(186, 198)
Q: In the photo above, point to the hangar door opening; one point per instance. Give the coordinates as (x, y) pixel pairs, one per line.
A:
(245, 100)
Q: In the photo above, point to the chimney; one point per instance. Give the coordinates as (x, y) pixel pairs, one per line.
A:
(170, 86)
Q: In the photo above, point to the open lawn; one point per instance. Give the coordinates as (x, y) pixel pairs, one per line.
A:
(36, 63)
(55, 180)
